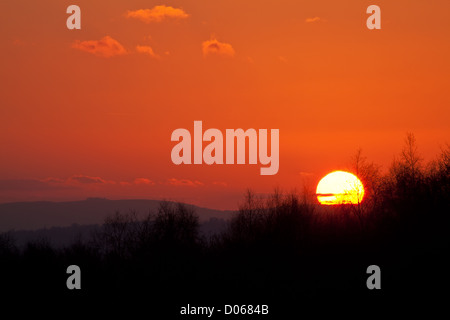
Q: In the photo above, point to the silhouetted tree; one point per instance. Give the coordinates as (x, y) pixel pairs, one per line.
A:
(7, 244)
(369, 174)
(176, 224)
(405, 178)
(118, 236)
(279, 218)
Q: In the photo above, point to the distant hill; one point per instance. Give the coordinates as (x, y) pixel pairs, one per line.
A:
(59, 237)
(46, 214)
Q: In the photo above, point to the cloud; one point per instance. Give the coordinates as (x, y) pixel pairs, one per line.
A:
(53, 180)
(157, 14)
(311, 20)
(184, 182)
(305, 174)
(86, 179)
(106, 47)
(218, 48)
(76, 180)
(27, 185)
(282, 59)
(51, 183)
(143, 181)
(18, 42)
(146, 50)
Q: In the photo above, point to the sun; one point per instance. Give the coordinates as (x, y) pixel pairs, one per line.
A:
(340, 187)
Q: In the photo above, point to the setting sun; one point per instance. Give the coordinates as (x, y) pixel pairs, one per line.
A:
(340, 187)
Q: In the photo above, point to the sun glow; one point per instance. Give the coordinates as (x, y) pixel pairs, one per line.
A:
(340, 187)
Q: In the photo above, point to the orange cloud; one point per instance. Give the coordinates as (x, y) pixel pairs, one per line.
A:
(106, 47)
(146, 50)
(87, 179)
(184, 182)
(282, 59)
(315, 19)
(53, 180)
(157, 14)
(23, 185)
(18, 42)
(143, 181)
(218, 48)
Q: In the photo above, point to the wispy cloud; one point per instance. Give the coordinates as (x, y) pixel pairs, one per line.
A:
(305, 174)
(146, 50)
(215, 47)
(312, 20)
(282, 59)
(73, 187)
(105, 47)
(76, 180)
(27, 185)
(143, 181)
(157, 14)
(19, 42)
(184, 182)
(87, 179)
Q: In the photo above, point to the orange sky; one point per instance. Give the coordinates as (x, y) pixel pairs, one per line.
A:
(90, 112)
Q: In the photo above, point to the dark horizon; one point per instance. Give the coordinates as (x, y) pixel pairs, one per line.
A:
(40, 214)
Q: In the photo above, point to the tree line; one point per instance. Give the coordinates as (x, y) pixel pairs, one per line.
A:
(282, 245)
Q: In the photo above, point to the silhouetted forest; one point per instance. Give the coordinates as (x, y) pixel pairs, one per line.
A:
(284, 250)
